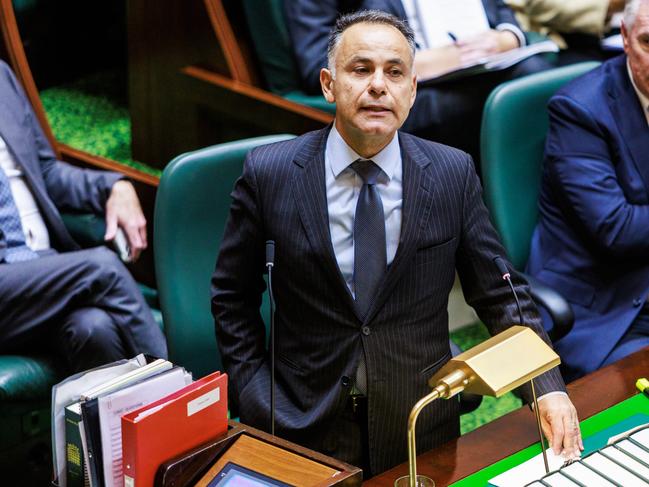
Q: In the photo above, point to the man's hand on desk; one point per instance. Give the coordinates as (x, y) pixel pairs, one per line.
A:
(561, 425)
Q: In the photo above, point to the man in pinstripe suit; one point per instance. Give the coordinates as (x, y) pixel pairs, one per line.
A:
(354, 352)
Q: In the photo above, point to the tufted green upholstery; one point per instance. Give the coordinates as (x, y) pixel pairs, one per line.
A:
(514, 126)
(26, 378)
(192, 206)
(272, 46)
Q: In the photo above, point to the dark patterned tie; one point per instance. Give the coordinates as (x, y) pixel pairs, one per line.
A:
(369, 237)
(11, 226)
(369, 248)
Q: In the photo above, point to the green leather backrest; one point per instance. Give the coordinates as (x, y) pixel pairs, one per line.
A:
(192, 206)
(272, 45)
(514, 127)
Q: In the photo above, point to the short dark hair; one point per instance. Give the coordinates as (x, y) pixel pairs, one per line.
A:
(344, 22)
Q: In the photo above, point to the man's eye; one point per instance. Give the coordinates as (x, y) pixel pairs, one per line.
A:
(395, 72)
(361, 70)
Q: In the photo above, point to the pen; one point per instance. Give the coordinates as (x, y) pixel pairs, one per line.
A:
(642, 385)
(452, 36)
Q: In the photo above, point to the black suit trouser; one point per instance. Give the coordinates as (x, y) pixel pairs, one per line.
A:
(84, 307)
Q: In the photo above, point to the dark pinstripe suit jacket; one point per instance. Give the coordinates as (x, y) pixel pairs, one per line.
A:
(281, 196)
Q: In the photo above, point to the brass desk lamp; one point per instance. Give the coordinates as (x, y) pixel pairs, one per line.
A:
(492, 368)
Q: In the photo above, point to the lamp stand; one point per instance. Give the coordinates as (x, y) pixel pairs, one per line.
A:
(412, 480)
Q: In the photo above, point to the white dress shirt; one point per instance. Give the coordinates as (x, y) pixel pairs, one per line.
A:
(343, 186)
(34, 228)
(439, 23)
(644, 101)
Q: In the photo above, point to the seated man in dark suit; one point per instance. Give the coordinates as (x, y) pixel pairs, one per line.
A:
(592, 240)
(448, 112)
(370, 225)
(82, 306)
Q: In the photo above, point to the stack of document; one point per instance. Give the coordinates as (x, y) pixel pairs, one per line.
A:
(495, 62)
(87, 414)
(624, 461)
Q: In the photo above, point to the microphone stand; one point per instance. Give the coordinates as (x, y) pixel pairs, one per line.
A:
(502, 268)
(270, 262)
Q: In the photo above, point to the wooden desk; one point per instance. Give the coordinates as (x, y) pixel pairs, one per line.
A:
(517, 430)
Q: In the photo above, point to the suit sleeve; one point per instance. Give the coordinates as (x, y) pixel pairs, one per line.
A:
(584, 16)
(238, 284)
(309, 23)
(69, 187)
(581, 172)
(483, 286)
(502, 13)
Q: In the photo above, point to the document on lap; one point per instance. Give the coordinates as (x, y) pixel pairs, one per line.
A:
(496, 62)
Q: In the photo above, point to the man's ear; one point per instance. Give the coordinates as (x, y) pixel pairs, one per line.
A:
(625, 37)
(414, 90)
(326, 83)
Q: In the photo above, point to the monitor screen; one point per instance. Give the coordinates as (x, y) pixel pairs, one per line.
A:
(233, 475)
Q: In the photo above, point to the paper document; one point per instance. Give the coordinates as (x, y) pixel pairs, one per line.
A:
(459, 18)
(67, 392)
(496, 62)
(529, 471)
(114, 405)
(612, 43)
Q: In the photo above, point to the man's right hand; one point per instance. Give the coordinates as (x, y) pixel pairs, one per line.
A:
(480, 46)
(430, 63)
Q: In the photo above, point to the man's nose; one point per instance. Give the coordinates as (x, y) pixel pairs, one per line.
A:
(377, 83)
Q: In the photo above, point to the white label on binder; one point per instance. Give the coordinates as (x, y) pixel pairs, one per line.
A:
(203, 401)
(128, 481)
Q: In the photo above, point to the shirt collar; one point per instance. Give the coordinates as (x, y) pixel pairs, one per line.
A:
(644, 101)
(339, 155)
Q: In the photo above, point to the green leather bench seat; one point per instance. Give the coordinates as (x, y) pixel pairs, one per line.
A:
(312, 101)
(25, 378)
(26, 381)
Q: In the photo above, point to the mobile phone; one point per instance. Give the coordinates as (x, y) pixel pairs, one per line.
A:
(123, 249)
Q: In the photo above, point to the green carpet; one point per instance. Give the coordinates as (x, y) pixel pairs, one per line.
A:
(92, 115)
(491, 408)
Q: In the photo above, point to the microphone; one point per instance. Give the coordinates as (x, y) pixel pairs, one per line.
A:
(270, 263)
(270, 253)
(504, 272)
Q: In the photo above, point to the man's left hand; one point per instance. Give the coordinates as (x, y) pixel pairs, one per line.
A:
(123, 210)
(561, 425)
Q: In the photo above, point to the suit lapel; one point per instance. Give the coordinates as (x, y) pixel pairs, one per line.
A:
(309, 191)
(416, 207)
(629, 116)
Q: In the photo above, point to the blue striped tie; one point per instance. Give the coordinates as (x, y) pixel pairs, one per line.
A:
(17, 250)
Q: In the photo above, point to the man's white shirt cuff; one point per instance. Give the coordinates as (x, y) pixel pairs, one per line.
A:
(522, 41)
